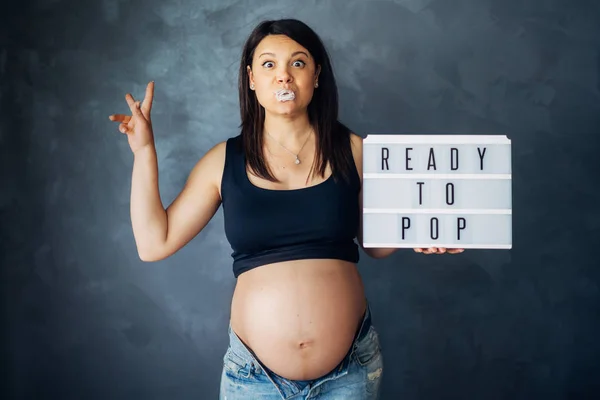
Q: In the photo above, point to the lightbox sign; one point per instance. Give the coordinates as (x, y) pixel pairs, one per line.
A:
(437, 191)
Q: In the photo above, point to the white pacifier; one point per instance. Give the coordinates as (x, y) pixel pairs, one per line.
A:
(285, 95)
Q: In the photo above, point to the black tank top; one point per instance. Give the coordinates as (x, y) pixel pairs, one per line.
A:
(265, 226)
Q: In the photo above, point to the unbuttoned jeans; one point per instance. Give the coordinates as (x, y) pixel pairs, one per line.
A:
(357, 377)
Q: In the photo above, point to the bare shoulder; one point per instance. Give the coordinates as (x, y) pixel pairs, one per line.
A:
(210, 166)
(357, 151)
(216, 155)
(356, 141)
(217, 152)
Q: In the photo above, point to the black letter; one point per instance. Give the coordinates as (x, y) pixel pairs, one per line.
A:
(404, 226)
(431, 157)
(481, 156)
(437, 228)
(451, 194)
(458, 224)
(385, 153)
(408, 158)
(453, 152)
(420, 192)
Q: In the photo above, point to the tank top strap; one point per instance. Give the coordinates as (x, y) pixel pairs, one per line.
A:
(234, 166)
(234, 156)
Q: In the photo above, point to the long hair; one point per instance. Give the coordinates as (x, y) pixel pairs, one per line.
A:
(332, 137)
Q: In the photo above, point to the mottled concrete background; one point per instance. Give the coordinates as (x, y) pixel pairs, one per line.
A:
(83, 318)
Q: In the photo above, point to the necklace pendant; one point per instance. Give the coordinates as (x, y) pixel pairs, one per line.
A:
(297, 160)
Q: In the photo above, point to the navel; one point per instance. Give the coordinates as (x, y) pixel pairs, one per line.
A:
(304, 344)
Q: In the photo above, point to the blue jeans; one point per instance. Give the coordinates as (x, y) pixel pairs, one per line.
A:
(357, 377)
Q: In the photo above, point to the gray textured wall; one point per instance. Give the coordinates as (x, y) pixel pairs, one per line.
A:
(82, 317)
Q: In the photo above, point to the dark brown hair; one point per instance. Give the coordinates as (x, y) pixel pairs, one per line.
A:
(332, 137)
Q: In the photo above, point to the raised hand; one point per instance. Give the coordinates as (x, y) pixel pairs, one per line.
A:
(137, 126)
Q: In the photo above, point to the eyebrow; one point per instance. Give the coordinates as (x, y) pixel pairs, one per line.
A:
(293, 54)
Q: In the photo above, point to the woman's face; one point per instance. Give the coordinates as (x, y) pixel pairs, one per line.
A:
(281, 63)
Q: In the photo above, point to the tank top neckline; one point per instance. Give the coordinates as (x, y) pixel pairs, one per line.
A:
(306, 188)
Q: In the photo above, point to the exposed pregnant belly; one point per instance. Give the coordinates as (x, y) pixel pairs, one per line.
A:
(299, 317)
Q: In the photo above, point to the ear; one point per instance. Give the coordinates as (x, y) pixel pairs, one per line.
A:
(250, 75)
(318, 72)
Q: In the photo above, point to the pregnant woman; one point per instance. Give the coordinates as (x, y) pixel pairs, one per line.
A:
(290, 187)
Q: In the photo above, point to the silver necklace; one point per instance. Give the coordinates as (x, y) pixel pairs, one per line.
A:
(297, 161)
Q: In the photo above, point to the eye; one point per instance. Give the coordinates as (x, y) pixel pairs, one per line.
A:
(302, 63)
(267, 62)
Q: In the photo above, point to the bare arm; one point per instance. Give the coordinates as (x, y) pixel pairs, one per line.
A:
(372, 252)
(158, 232)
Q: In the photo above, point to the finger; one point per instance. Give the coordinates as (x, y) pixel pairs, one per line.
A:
(134, 106)
(441, 250)
(428, 250)
(120, 118)
(455, 251)
(130, 102)
(137, 110)
(148, 99)
(418, 250)
(123, 128)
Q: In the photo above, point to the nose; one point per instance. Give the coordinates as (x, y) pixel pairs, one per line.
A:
(283, 76)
